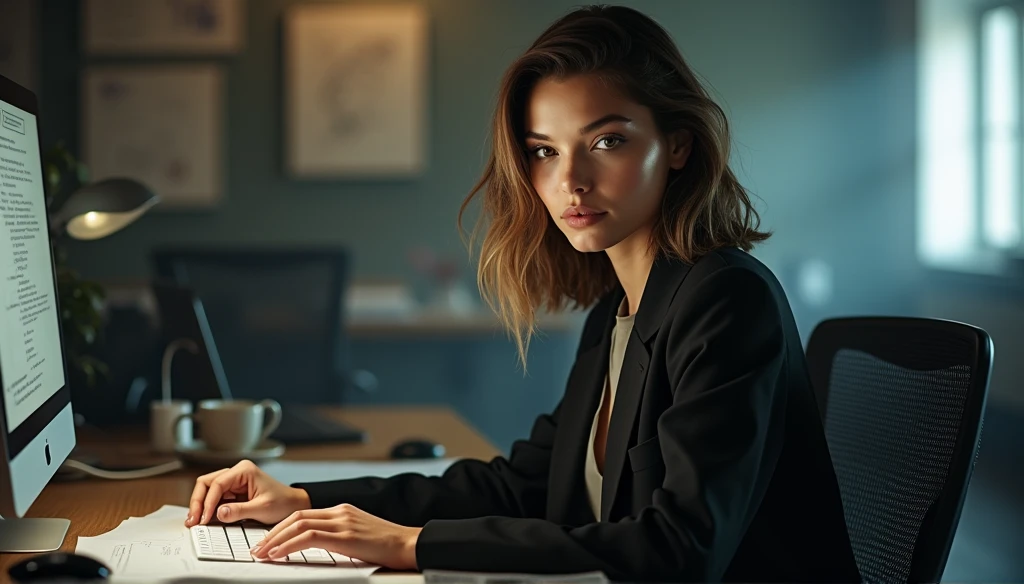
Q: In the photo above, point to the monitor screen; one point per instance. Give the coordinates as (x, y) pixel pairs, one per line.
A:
(37, 423)
(31, 361)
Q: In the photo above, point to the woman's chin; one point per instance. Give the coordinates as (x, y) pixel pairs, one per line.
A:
(588, 244)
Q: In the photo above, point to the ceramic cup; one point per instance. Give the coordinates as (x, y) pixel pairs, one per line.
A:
(236, 425)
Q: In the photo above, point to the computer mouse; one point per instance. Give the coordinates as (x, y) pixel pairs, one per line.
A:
(417, 448)
(58, 567)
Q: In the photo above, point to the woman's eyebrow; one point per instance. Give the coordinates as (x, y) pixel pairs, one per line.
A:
(588, 128)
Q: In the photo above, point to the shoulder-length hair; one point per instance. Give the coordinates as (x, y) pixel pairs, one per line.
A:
(526, 264)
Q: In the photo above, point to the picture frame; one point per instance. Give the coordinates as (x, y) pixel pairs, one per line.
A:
(18, 33)
(163, 27)
(159, 124)
(355, 90)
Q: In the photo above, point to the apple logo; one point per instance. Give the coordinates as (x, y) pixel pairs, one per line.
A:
(46, 451)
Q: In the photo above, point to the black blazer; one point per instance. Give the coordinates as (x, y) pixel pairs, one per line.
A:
(716, 464)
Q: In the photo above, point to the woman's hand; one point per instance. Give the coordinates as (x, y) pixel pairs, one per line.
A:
(344, 530)
(258, 496)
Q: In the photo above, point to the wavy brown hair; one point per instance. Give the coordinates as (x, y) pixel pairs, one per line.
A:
(526, 263)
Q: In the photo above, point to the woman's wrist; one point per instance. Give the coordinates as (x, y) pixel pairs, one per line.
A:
(301, 497)
(409, 548)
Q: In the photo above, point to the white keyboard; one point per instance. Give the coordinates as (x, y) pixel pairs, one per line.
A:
(231, 543)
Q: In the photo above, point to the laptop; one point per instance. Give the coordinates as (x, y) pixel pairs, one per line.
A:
(201, 376)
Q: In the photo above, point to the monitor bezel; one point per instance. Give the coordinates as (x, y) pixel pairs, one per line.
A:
(15, 442)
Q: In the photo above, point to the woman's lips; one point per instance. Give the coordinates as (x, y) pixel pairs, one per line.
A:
(580, 216)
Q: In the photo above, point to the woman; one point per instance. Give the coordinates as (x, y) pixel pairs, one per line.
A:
(688, 444)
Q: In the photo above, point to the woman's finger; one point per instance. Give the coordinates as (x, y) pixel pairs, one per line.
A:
(293, 524)
(195, 504)
(223, 482)
(317, 533)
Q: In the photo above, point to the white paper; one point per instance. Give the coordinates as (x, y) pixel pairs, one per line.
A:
(293, 471)
(158, 548)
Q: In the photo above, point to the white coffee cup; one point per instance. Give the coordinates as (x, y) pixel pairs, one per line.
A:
(164, 430)
(236, 425)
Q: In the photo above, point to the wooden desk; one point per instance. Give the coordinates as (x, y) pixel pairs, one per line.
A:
(96, 506)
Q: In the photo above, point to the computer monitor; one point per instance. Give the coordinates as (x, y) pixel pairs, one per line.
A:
(37, 430)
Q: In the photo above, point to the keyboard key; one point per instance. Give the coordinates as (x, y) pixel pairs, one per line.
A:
(208, 545)
(236, 538)
(317, 556)
(254, 535)
(343, 560)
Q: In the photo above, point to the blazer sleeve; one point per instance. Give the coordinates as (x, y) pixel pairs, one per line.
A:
(726, 349)
(513, 487)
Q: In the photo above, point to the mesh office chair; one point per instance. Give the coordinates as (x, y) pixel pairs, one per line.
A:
(902, 400)
(276, 315)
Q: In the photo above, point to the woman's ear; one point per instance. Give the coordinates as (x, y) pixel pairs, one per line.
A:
(679, 146)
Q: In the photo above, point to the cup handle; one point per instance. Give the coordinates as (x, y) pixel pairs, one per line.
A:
(181, 418)
(274, 409)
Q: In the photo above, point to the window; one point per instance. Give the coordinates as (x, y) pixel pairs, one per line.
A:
(1000, 114)
(970, 180)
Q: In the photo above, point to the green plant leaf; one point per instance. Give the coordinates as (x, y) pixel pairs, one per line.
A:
(83, 173)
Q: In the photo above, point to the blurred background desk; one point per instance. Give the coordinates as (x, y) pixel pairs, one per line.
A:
(420, 355)
(96, 506)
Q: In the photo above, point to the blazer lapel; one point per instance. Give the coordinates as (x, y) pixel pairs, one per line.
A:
(665, 277)
(620, 428)
(569, 499)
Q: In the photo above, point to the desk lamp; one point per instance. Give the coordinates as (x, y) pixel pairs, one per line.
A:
(102, 208)
(93, 212)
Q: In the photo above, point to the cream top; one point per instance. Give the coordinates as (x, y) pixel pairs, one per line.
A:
(620, 336)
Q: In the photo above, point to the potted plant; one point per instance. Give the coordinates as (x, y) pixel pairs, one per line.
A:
(81, 301)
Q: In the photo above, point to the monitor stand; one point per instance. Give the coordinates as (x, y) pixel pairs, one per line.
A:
(32, 534)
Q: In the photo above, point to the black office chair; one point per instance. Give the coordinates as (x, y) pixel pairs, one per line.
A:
(903, 401)
(276, 314)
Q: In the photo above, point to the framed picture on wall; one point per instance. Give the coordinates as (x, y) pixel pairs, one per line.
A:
(160, 124)
(355, 90)
(18, 26)
(162, 27)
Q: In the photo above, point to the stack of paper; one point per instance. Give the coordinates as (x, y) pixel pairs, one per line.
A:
(158, 548)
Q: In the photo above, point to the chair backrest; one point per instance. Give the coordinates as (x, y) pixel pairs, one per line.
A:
(903, 401)
(276, 315)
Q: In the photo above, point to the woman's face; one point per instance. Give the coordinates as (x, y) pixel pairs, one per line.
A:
(598, 161)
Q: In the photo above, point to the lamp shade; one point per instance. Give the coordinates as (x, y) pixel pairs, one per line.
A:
(99, 209)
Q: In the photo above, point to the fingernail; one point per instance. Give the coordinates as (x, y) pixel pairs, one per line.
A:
(223, 512)
(255, 549)
(189, 520)
(273, 552)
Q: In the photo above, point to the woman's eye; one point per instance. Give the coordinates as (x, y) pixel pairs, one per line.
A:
(610, 141)
(542, 151)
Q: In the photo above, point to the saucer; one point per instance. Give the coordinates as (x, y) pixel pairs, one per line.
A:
(197, 453)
